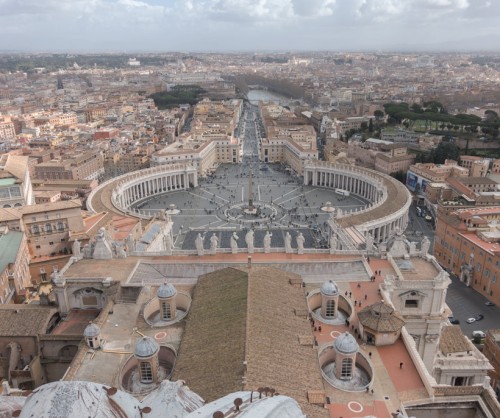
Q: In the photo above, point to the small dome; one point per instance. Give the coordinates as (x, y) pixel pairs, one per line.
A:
(330, 288)
(146, 347)
(166, 290)
(91, 330)
(346, 344)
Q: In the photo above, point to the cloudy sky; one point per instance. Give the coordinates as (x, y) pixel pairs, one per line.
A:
(248, 25)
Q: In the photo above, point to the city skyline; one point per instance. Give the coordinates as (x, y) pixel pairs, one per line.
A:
(244, 25)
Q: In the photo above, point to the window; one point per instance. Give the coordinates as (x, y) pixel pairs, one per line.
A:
(346, 370)
(35, 229)
(411, 303)
(330, 308)
(478, 267)
(48, 228)
(60, 226)
(37, 247)
(146, 372)
(166, 311)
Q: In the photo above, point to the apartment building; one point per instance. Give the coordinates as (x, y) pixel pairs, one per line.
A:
(477, 166)
(15, 181)
(7, 129)
(48, 228)
(491, 351)
(421, 174)
(467, 242)
(396, 159)
(88, 165)
(15, 275)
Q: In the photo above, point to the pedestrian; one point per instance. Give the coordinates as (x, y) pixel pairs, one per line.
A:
(346, 293)
(355, 303)
(350, 294)
(370, 354)
(359, 285)
(360, 304)
(401, 365)
(366, 296)
(319, 328)
(372, 391)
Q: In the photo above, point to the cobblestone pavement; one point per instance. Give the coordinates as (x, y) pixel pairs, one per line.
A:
(217, 204)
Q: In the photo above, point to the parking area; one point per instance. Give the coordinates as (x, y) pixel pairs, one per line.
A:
(466, 303)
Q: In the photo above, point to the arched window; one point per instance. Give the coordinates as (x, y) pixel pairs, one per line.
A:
(346, 372)
(166, 311)
(60, 226)
(146, 372)
(330, 308)
(35, 229)
(48, 228)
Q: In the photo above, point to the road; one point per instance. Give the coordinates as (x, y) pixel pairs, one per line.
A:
(418, 226)
(465, 302)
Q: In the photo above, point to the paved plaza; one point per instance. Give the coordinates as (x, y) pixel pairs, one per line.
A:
(283, 204)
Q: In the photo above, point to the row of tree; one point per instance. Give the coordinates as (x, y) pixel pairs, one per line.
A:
(434, 112)
(177, 95)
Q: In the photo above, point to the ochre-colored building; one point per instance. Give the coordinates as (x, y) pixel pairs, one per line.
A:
(468, 244)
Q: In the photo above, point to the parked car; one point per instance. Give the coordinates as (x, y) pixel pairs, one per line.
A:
(479, 317)
(471, 320)
(453, 320)
(489, 303)
(478, 334)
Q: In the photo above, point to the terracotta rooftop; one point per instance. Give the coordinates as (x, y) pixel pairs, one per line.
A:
(275, 358)
(24, 320)
(212, 350)
(452, 340)
(380, 317)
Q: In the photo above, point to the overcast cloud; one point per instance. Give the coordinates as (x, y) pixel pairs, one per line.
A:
(248, 25)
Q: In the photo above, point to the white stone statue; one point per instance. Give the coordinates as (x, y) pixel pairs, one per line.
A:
(288, 242)
(102, 248)
(267, 242)
(249, 241)
(234, 243)
(87, 251)
(424, 246)
(75, 248)
(369, 242)
(168, 243)
(120, 250)
(300, 243)
(214, 243)
(333, 243)
(199, 244)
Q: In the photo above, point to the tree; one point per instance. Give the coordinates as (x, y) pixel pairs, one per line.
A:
(370, 125)
(445, 150)
(490, 115)
(400, 176)
(364, 126)
(379, 114)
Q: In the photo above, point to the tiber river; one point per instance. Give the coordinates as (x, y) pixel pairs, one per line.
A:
(254, 96)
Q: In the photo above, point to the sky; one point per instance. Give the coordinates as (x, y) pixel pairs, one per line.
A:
(248, 25)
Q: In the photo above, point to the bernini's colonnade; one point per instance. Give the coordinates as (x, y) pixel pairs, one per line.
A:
(386, 213)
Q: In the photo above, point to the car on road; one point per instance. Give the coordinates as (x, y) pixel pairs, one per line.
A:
(471, 320)
(478, 334)
(488, 303)
(453, 320)
(479, 317)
